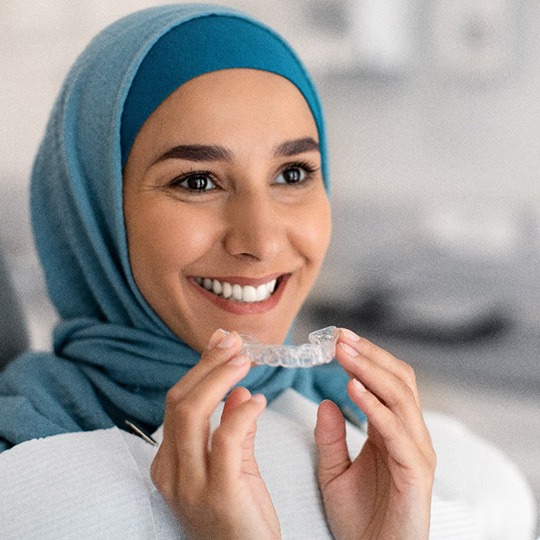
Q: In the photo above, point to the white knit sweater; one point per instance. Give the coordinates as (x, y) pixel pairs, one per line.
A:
(97, 485)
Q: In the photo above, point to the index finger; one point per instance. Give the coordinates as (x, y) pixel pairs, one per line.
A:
(382, 358)
(221, 348)
(186, 424)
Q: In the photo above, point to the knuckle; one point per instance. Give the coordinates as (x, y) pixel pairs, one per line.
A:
(408, 393)
(160, 480)
(368, 346)
(408, 373)
(170, 486)
(155, 475)
(432, 458)
(401, 395)
(211, 356)
(186, 412)
(397, 429)
(429, 461)
(428, 471)
(181, 411)
(222, 439)
(172, 397)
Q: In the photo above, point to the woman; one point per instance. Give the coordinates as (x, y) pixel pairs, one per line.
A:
(179, 199)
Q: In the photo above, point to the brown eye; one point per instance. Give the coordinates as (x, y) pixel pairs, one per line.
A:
(196, 182)
(291, 175)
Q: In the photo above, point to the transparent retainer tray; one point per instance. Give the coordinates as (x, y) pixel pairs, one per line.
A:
(320, 350)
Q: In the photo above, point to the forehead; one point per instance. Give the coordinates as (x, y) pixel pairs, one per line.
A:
(232, 102)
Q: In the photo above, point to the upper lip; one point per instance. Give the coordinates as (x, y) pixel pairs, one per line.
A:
(242, 280)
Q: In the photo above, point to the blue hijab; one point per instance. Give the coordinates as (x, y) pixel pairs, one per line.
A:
(113, 358)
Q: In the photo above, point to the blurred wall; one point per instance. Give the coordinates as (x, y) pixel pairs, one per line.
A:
(423, 131)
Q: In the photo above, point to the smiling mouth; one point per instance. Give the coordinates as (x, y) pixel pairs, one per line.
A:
(235, 292)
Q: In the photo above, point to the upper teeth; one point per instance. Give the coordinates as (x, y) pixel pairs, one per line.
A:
(239, 293)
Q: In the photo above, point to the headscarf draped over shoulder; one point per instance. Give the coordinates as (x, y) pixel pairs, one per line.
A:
(113, 359)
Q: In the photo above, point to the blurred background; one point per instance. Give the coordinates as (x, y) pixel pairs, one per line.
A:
(434, 130)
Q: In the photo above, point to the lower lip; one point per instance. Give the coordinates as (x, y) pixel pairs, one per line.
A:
(245, 308)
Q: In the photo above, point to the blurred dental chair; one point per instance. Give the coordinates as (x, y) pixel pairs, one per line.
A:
(13, 331)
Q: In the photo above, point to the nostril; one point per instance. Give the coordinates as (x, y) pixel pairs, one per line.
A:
(251, 249)
(248, 256)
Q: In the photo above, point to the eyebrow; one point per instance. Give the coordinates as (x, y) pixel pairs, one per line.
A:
(197, 152)
(297, 146)
(212, 152)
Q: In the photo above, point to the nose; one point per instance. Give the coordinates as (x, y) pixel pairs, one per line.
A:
(255, 227)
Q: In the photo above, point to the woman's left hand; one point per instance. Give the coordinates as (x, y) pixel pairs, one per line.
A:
(386, 491)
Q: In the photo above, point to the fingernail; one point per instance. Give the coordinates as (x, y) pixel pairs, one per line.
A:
(217, 336)
(358, 385)
(227, 341)
(259, 398)
(348, 349)
(349, 334)
(239, 360)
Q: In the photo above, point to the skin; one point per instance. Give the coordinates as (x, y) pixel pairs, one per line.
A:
(252, 227)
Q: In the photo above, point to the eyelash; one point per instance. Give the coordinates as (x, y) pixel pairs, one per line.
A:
(308, 169)
(207, 175)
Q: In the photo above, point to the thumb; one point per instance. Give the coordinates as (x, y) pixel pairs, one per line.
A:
(236, 397)
(331, 444)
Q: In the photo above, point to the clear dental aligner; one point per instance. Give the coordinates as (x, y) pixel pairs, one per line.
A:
(320, 350)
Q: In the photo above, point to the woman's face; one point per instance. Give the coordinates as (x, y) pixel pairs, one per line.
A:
(226, 214)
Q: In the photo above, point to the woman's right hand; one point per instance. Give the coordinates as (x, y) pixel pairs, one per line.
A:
(212, 481)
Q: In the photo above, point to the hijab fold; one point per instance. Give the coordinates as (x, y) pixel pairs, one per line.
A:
(113, 359)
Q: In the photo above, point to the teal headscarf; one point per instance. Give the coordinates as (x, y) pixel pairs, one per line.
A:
(113, 358)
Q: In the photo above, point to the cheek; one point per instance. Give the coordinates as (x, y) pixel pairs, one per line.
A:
(167, 240)
(313, 231)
